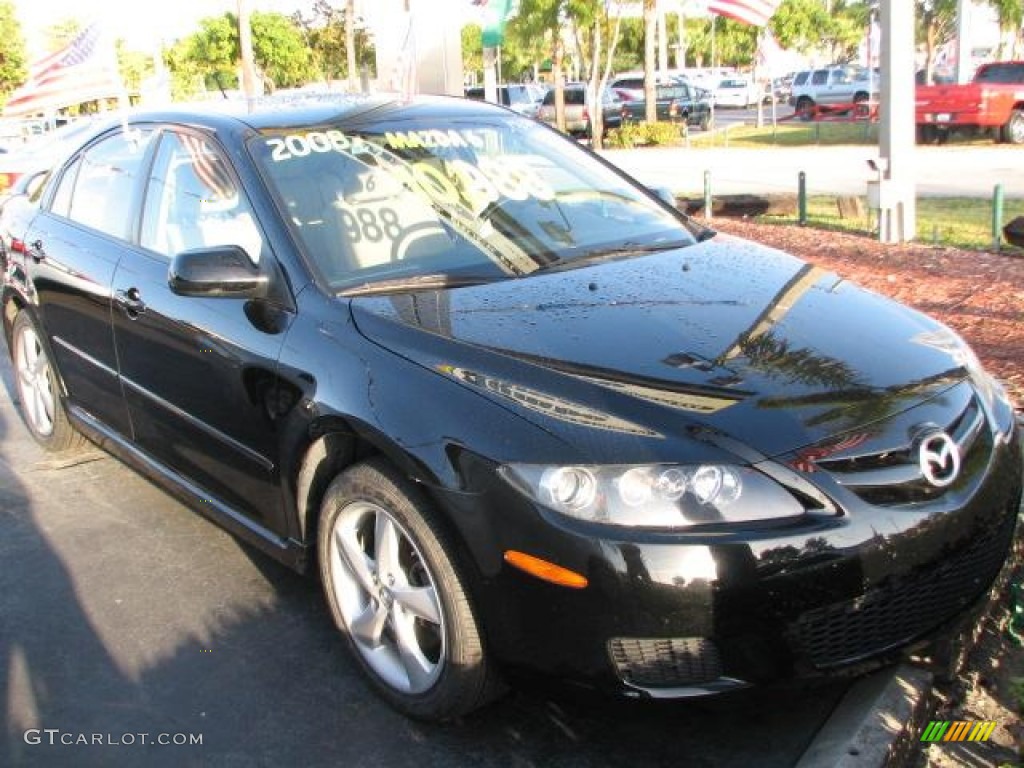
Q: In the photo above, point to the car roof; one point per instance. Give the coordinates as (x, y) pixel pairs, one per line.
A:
(232, 115)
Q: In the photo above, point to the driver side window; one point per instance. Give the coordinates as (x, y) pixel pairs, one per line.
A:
(193, 201)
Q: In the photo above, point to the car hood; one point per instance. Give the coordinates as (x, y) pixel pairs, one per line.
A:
(726, 336)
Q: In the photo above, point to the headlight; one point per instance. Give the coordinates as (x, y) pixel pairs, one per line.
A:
(986, 385)
(655, 495)
(993, 396)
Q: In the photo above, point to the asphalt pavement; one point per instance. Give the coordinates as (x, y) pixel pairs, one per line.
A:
(127, 619)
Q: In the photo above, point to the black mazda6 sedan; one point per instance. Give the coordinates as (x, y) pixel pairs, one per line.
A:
(519, 413)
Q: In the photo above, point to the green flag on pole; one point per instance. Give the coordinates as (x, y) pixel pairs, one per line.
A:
(496, 13)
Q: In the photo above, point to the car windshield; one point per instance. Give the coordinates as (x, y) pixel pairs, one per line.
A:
(459, 200)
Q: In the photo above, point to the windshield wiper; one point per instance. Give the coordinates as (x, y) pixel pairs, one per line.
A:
(414, 283)
(623, 250)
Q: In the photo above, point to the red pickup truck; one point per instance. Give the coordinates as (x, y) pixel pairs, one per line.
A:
(993, 100)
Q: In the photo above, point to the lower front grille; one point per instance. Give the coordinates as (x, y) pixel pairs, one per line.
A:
(665, 662)
(904, 607)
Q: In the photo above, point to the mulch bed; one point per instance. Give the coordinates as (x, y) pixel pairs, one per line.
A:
(978, 294)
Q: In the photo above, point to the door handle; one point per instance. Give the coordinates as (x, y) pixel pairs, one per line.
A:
(130, 300)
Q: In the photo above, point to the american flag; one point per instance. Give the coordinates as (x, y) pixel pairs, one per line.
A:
(84, 70)
(756, 12)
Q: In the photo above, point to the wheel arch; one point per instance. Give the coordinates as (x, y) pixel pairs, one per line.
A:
(336, 444)
(13, 303)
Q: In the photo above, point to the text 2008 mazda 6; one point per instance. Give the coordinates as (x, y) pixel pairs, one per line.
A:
(518, 411)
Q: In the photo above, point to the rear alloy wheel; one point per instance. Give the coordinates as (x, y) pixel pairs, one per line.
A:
(38, 391)
(1013, 131)
(395, 593)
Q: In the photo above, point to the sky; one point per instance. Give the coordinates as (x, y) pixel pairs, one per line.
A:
(141, 23)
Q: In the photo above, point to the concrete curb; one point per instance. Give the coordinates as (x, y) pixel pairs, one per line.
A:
(875, 723)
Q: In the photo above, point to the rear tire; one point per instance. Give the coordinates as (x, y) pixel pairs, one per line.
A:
(394, 590)
(805, 108)
(42, 407)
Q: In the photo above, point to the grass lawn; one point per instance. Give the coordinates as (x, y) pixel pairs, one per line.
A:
(798, 134)
(962, 222)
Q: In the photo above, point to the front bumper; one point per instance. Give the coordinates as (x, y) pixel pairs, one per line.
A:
(670, 615)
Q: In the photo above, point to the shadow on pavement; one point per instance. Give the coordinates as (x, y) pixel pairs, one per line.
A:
(124, 613)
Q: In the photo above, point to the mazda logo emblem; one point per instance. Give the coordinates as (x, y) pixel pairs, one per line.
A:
(939, 457)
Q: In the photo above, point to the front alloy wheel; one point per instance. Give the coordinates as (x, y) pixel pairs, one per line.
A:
(387, 597)
(394, 588)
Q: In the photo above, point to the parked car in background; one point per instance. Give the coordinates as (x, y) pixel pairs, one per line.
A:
(677, 102)
(41, 153)
(993, 100)
(578, 109)
(524, 98)
(780, 89)
(516, 412)
(737, 92)
(831, 86)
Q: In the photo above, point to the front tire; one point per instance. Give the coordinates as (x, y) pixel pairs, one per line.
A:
(393, 588)
(38, 389)
(1013, 131)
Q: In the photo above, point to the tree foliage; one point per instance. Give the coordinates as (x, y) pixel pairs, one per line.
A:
(133, 66)
(209, 58)
(1010, 14)
(797, 25)
(12, 51)
(936, 23)
(324, 34)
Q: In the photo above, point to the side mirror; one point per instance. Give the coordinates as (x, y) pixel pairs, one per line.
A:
(223, 271)
(665, 194)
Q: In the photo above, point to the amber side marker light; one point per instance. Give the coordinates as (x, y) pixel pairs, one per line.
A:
(544, 570)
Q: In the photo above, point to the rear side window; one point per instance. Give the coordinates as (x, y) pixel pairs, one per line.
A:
(106, 180)
(61, 205)
(1001, 73)
(820, 77)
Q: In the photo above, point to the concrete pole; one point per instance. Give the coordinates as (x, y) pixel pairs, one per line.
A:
(897, 190)
(491, 74)
(662, 40)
